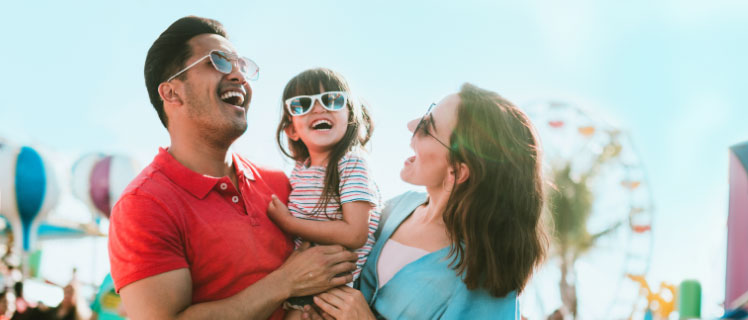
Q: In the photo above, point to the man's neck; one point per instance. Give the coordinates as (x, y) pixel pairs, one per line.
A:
(202, 157)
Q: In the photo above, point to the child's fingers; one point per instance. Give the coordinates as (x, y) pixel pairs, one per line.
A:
(304, 245)
(277, 202)
(273, 202)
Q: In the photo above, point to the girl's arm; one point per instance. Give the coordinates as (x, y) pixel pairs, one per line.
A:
(350, 232)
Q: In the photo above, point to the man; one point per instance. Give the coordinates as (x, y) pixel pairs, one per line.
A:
(190, 237)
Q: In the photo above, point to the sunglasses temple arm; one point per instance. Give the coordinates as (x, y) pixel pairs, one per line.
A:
(187, 68)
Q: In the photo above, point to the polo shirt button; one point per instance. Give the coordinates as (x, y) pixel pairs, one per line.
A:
(235, 199)
(224, 186)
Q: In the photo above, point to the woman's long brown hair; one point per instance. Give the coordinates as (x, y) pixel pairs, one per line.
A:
(493, 217)
(360, 127)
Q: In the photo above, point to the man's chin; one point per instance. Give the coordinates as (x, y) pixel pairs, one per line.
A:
(227, 134)
(238, 129)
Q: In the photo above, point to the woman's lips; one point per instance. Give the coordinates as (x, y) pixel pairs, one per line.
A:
(410, 160)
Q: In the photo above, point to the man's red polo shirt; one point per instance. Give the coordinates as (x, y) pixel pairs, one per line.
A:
(171, 217)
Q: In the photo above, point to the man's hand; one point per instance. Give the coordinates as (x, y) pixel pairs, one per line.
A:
(313, 270)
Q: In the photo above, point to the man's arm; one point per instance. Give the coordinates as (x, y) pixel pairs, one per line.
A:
(168, 295)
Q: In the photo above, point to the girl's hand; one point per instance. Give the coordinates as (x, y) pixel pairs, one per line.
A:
(277, 211)
(343, 303)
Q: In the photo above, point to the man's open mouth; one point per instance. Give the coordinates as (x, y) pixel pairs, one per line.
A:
(233, 97)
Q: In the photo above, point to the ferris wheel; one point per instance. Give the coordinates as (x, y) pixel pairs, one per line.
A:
(602, 210)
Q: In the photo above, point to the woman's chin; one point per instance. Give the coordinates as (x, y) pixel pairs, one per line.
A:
(405, 175)
(408, 178)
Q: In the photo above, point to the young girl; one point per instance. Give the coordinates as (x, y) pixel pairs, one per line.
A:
(333, 198)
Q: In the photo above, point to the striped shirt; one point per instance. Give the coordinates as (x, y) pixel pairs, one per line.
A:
(356, 184)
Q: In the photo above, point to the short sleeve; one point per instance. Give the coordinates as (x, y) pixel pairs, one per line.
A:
(277, 181)
(356, 183)
(144, 240)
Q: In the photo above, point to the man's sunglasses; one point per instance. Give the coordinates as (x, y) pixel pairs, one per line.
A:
(223, 62)
(330, 100)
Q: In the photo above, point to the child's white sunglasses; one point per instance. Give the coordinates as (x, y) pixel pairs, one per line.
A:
(330, 100)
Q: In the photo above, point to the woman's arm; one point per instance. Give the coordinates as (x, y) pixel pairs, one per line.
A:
(350, 232)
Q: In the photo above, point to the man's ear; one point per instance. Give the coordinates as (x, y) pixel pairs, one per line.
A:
(291, 132)
(168, 93)
(463, 173)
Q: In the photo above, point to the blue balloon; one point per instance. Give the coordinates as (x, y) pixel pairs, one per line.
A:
(31, 186)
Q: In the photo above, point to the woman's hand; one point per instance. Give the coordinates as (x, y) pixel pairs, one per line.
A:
(343, 303)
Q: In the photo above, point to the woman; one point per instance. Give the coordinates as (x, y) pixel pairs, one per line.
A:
(468, 247)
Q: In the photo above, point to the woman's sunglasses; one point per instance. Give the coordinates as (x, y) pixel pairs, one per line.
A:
(223, 62)
(330, 100)
(425, 123)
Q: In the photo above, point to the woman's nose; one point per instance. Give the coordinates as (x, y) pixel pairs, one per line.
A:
(412, 125)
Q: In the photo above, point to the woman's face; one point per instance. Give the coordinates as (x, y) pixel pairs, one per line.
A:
(430, 165)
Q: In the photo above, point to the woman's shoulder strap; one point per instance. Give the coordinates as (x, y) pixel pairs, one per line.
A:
(401, 202)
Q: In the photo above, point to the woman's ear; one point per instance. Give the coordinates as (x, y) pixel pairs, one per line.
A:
(463, 172)
(168, 93)
(291, 132)
(456, 176)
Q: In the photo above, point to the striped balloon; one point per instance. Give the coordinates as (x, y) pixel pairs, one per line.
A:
(99, 180)
(28, 188)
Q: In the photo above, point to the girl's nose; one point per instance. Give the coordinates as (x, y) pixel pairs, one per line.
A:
(317, 107)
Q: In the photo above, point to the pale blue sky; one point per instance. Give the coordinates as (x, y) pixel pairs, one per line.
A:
(671, 73)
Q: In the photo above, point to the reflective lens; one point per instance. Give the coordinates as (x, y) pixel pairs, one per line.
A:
(242, 63)
(332, 100)
(249, 68)
(300, 105)
(222, 63)
(422, 127)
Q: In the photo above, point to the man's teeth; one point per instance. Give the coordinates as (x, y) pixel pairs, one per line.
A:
(233, 94)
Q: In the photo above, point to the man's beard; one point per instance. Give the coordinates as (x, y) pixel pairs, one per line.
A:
(214, 125)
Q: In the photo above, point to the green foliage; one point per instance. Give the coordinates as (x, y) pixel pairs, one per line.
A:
(570, 204)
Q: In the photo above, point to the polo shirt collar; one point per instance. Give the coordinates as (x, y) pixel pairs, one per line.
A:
(243, 168)
(195, 183)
